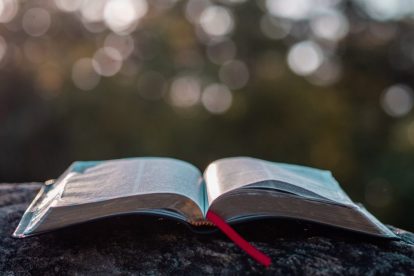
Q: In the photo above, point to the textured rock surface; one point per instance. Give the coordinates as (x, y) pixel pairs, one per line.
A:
(132, 244)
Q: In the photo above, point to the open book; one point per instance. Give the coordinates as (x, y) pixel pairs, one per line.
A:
(236, 189)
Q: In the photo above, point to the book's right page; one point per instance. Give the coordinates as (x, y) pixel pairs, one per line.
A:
(228, 174)
(244, 188)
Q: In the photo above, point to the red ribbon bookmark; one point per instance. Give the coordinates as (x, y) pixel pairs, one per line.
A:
(237, 239)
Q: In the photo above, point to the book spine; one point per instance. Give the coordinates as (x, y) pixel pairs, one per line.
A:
(201, 223)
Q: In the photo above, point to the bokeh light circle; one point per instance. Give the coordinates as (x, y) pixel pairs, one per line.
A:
(217, 21)
(397, 100)
(107, 61)
(305, 57)
(217, 98)
(36, 21)
(83, 74)
(234, 74)
(8, 10)
(121, 15)
(185, 91)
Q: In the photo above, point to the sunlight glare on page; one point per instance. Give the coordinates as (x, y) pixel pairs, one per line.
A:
(211, 177)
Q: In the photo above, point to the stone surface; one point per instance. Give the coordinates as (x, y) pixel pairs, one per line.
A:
(148, 245)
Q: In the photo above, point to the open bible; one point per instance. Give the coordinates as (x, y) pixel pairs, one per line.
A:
(236, 189)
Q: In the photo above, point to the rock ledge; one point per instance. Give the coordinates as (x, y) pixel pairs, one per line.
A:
(132, 244)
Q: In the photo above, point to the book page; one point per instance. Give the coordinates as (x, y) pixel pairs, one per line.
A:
(252, 204)
(97, 181)
(228, 174)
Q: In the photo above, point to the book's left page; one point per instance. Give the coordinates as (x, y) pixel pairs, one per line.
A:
(94, 189)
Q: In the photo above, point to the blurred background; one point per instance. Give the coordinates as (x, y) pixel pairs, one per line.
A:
(323, 83)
